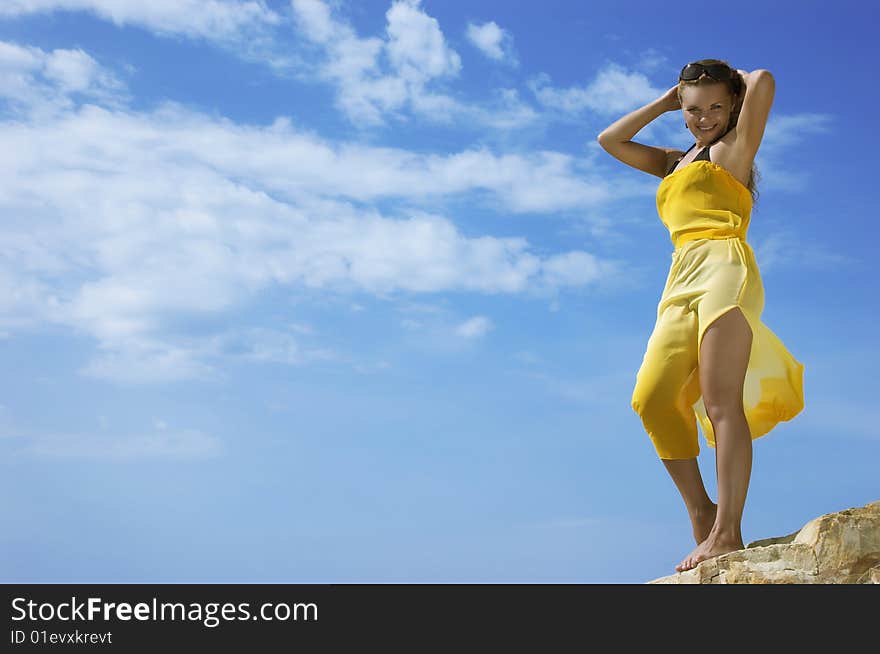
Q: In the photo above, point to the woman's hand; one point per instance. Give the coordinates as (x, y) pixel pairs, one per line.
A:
(670, 101)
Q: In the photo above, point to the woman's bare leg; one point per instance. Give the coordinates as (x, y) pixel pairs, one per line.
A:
(701, 509)
(724, 357)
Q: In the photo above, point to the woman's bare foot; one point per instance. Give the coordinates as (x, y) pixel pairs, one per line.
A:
(703, 520)
(715, 544)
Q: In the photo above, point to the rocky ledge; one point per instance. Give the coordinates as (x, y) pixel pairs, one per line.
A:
(836, 548)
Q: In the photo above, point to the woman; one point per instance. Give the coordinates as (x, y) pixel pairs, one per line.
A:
(710, 355)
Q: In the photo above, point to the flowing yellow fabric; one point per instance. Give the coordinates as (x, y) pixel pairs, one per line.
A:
(713, 270)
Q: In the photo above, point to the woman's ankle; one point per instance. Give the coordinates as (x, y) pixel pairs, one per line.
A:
(703, 509)
(726, 533)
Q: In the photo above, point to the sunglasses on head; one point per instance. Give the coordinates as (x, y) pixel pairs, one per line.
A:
(718, 72)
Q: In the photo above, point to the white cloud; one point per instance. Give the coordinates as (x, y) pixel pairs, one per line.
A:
(72, 70)
(841, 417)
(528, 357)
(475, 327)
(141, 358)
(413, 46)
(416, 46)
(162, 442)
(302, 328)
(491, 40)
(652, 59)
(602, 388)
(210, 19)
(788, 247)
(792, 130)
(316, 23)
(33, 81)
(262, 344)
(247, 29)
(377, 78)
(573, 268)
(613, 91)
(783, 133)
(289, 163)
(118, 223)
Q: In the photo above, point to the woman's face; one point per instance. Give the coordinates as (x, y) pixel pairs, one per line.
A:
(706, 107)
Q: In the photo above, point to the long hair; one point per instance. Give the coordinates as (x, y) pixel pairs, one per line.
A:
(736, 87)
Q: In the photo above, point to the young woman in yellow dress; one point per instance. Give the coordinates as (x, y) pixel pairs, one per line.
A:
(710, 359)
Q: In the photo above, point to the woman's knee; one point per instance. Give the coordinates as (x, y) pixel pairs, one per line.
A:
(650, 399)
(673, 436)
(725, 408)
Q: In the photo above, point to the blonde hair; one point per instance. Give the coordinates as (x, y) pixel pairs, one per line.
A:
(735, 87)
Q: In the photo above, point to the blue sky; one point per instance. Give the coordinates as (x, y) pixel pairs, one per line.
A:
(344, 292)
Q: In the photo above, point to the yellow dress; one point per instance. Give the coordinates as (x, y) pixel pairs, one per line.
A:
(713, 270)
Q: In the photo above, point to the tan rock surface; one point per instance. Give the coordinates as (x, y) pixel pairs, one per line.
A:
(836, 548)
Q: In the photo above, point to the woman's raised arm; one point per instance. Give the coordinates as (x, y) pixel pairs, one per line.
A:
(616, 139)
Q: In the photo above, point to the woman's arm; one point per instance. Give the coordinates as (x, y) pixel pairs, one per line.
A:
(630, 125)
(753, 109)
(616, 138)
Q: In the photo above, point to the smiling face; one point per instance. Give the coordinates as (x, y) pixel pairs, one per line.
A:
(708, 106)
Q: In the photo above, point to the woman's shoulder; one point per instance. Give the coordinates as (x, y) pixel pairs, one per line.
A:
(733, 159)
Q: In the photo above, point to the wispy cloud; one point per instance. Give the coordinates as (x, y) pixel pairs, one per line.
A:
(786, 248)
(474, 327)
(247, 29)
(783, 134)
(208, 19)
(404, 71)
(122, 221)
(160, 442)
(37, 83)
(794, 129)
(838, 417)
(377, 78)
(493, 41)
(613, 91)
(603, 388)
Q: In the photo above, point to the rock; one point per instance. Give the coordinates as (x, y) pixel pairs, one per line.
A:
(836, 548)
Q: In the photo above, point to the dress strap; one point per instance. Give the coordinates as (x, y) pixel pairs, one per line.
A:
(679, 159)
